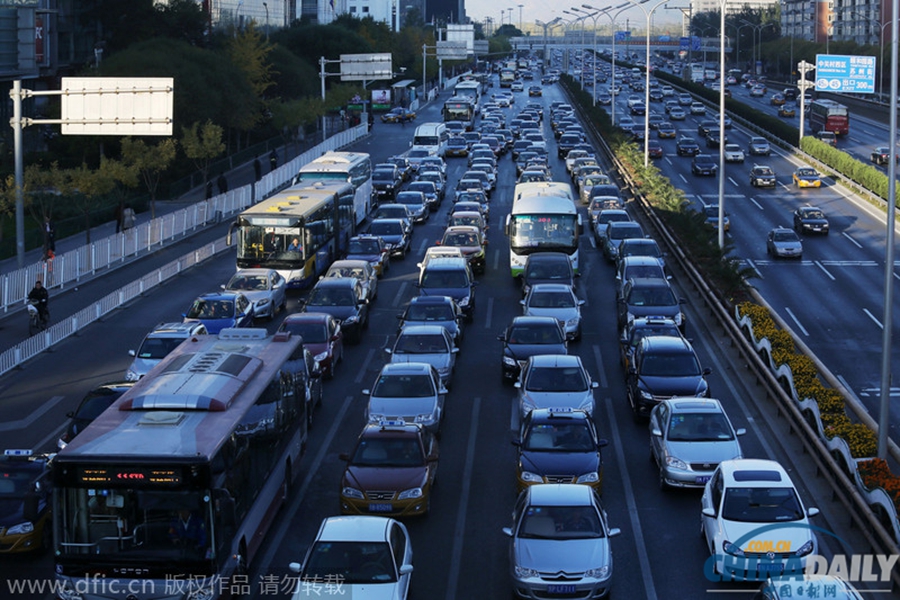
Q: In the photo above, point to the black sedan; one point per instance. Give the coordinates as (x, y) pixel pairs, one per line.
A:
(687, 146)
(810, 219)
(526, 337)
(704, 164)
(882, 155)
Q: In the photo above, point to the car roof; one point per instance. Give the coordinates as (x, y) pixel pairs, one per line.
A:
(446, 262)
(348, 263)
(551, 287)
(354, 528)
(224, 295)
(665, 343)
(547, 256)
(462, 228)
(694, 405)
(423, 330)
(534, 320)
(560, 494)
(638, 260)
(555, 360)
(307, 316)
(410, 368)
(177, 330)
(337, 282)
(546, 415)
(754, 472)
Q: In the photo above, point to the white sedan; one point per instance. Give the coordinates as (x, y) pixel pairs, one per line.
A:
(264, 288)
(734, 153)
(754, 523)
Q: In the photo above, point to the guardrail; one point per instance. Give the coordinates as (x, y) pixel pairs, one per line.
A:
(857, 509)
(75, 265)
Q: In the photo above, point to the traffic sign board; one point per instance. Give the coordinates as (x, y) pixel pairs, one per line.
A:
(849, 74)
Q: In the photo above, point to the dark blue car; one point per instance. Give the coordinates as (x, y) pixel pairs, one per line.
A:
(220, 310)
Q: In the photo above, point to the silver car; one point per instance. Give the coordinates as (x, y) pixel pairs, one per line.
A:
(555, 381)
(410, 392)
(689, 437)
(784, 243)
(555, 300)
(360, 270)
(559, 543)
(430, 344)
(264, 288)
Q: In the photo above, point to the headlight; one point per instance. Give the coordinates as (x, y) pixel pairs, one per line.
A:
(573, 322)
(425, 418)
(732, 549)
(464, 301)
(321, 357)
(349, 492)
(530, 477)
(130, 375)
(262, 302)
(676, 463)
(21, 528)
(592, 477)
(587, 405)
(806, 548)
(412, 493)
(598, 573)
(525, 572)
(351, 320)
(509, 361)
(67, 592)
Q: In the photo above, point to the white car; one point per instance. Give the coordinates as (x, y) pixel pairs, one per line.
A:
(753, 521)
(430, 344)
(698, 108)
(556, 300)
(410, 392)
(265, 288)
(366, 556)
(734, 153)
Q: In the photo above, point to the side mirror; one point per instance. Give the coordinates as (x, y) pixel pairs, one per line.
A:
(812, 512)
(614, 532)
(602, 443)
(366, 392)
(516, 442)
(656, 431)
(707, 371)
(507, 531)
(582, 302)
(502, 337)
(740, 431)
(405, 569)
(594, 385)
(709, 512)
(344, 456)
(295, 567)
(132, 353)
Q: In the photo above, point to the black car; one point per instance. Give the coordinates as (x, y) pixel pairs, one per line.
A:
(95, 402)
(810, 219)
(394, 232)
(344, 299)
(386, 182)
(529, 336)
(704, 164)
(714, 137)
(687, 146)
(640, 328)
(25, 502)
(434, 310)
(567, 142)
(547, 267)
(704, 127)
(559, 446)
(663, 367)
(762, 176)
(646, 297)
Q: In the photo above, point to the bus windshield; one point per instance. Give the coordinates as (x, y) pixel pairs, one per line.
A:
(273, 247)
(543, 232)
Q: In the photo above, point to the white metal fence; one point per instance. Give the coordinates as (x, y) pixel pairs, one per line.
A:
(75, 265)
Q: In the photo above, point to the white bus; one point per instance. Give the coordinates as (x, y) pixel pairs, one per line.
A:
(543, 219)
(174, 487)
(469, 89)
(354, 168)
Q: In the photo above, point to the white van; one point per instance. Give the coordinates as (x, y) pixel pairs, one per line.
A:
(433, 136)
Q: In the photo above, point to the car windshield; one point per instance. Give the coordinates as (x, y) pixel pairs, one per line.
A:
(813, 214)
(652, 296)
(699, 427)
(330, 297)
(16, 481)
(158, 348)
(444, 279)
(380, 451)
(560, 523)
(761, 505)
(551, 300)
(96, 403)
(421, 344)
(763, 171)
(460, 239)
(683, 364)
(419, 312)
(465, 220)
(350, 563)
(534, 334)
(563, 436)
(383, 176)
(628, 231)
(404, 386)
(388, 212)
(211, 309)
(556, 379)
(412, 199)
(392, 228)
(785, 236)
(312, 333)
(364, 247)
(248, 282)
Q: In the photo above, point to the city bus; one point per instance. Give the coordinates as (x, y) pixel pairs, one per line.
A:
(319, 217)
(507, 76)
(828, 115)
(169, 493)
(461, 110)
(543, 219)
(469, 88)
(354, 168)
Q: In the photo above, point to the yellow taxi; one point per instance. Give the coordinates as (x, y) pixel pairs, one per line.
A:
(25, 495)
(807, 177)
(777, 99)
(391, 471)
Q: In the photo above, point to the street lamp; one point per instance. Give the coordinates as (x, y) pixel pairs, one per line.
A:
(593, 16)
(581, 50)
(756, 55)
(520, 16)
(881, 62)
(266, 6)
(612, 21)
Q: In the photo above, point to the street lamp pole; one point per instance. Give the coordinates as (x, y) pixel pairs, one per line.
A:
(612, 21)
(266, 6)
(520, 16)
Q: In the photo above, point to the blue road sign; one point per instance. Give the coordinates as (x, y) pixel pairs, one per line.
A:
(664, 38)
(621, 36)
(684, 43)
(695, 43)
(848, 74)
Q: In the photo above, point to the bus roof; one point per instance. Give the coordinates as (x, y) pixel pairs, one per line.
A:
(298, 200)
(190, 403)
(543, 189)
(335, 161)
(544, 205)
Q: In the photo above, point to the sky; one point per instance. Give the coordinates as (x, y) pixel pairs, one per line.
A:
(546, 11)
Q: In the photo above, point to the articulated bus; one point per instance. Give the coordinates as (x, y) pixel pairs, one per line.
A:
(543, 219)
(354, 168)
(460, 109)
(319, 217)
(169, 493)
(828, 115)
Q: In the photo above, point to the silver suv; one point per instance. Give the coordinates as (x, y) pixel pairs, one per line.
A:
(158, 344)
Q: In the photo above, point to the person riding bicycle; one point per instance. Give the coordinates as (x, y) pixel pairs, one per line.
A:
(40, 297)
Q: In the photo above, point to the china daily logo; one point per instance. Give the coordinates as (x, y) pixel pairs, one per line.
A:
(764, 551)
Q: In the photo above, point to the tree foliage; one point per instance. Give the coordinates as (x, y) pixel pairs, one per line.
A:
(201, 144)
(248, 52)
(150, 161)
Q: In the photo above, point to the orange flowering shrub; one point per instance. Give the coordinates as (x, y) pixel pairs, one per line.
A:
(875, 473)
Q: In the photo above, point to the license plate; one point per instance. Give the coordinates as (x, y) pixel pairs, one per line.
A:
(561, 589)
(701, 479)
(381, 507)
(769, 566)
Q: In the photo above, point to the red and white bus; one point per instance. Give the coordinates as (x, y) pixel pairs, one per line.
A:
(170, 491)
(828, 115)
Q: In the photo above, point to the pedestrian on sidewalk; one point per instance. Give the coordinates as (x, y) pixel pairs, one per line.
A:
(120, 209)
(128, 218)
(49, 235)
(222, 183)
(273, 160)
(208, 190)
(257, 167)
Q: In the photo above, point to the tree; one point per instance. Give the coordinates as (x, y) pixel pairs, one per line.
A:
(202, 144)
(150, 162)
(249, 52)
(86, 189)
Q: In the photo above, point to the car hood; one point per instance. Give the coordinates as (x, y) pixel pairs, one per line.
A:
(455, 293)
(142, 366)
(559, 399)
(673, 386)
(558, 556)
(384, 478)
(438, 360)
(340, 313)
(257, 296)
(795, 532)
(392, 239)
(795, 246)
(560, 463)
(366, 257)
(705, 452)
(523, 351)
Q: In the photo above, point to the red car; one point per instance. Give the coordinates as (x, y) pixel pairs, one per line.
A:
(654, 149)
(321, 334)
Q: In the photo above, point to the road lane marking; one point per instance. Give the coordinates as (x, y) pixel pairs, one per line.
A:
(496, 261)
(490, 312)
(758, 205)
(857, 244)
(824, 270)
(31, 418)
(871, 316)
(604, 383)
(400, 294)
(459, 530)
(796, 321)
(365, 365)
(640, 547)
(755, 270)
(733, 182)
